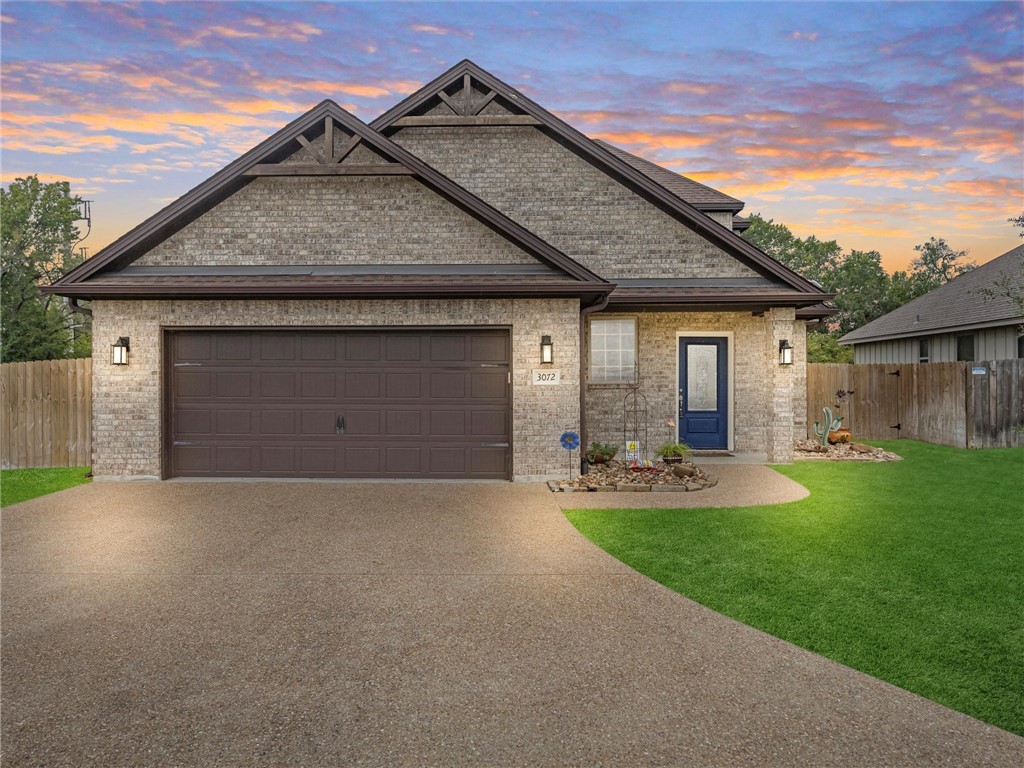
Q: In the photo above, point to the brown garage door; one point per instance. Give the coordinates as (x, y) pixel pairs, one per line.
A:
(363, 404)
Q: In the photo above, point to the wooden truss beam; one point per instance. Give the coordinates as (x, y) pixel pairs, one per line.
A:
(433, 121)
(320, 169)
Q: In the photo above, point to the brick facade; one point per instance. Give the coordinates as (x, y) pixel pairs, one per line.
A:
(127, 400)
(767, 397)
(565, 200)
(339, 220)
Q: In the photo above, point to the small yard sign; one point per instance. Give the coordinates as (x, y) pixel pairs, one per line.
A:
(546, 377)
(632, 451)
(979, 370)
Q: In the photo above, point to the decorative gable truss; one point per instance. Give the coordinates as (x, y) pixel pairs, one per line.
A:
(466, 85)
(326, 141)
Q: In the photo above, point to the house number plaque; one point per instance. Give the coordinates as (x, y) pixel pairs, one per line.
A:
(546, 376)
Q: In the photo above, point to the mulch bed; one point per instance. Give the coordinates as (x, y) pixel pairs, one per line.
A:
(814, 450)
(618, 476)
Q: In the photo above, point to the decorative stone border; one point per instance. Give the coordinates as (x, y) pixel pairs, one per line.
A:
(618, 477)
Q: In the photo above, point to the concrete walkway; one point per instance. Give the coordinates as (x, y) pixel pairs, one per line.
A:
(739, 485)
(275, 624)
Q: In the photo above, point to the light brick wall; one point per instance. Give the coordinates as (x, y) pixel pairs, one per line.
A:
(765, 394)
(336, 221)
(127, 400)
(565, 200)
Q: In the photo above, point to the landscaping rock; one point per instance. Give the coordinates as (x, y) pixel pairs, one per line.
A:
(812, 449)
(621, 476)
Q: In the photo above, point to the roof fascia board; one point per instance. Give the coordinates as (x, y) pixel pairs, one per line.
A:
(725, 238)
(934, 331)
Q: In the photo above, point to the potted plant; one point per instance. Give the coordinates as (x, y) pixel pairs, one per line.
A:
(673, 453)
(601, 453)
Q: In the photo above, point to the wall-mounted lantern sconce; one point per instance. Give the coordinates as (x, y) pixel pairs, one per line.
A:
(785, 352)
(119, 351)
(547, 350)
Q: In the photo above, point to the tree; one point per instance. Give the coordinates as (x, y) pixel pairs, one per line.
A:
(825, 348)
(1018, 221)
(938, 264)
(812, 258)
(37, 234)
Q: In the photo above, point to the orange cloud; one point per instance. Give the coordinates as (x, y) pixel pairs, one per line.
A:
(696, 89)
(657, 140)
(1000, 188)
(855, 124)
(1003, 67)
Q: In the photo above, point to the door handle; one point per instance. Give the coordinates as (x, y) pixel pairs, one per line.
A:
(339, 426)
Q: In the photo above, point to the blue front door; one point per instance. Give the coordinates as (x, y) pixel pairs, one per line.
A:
(703, 392)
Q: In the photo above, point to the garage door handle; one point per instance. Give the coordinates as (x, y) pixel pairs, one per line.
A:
(494, 445)
(339, 427)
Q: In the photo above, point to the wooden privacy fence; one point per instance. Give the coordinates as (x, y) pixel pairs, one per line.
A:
(47, 414)
(966, 405)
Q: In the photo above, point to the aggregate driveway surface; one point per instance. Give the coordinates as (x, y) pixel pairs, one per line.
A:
(331, 624)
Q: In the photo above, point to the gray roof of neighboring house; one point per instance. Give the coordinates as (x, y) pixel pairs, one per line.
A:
(959, 304)
(698, 195)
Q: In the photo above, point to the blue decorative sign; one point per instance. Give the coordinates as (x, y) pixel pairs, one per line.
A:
(570, 441)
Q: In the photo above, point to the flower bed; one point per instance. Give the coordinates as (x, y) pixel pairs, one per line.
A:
(618, 476)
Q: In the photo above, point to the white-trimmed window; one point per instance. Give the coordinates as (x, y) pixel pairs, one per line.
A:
(613, 350)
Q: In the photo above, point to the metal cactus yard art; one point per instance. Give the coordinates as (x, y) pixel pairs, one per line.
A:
(831, 425)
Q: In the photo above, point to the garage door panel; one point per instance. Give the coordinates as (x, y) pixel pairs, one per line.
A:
(232, 384)
(448, 385)
(487, 460)
(362, 347)
(448, 349)
(277, 459)
(277, 385)
(362, 386)
(274, 421)
(234, 421)
(275, 347)
(362, 461)
(489, 425)
(267, 403)
(488, 385)
(191, 383)
(319, 385)
(403, 386)
(403, 348)
(193, 421)
(488, 349)
(403, 461)
(319, 461)
(233, 459)
(233, 346)
(447, 461)
(318, 422)
(362, 422)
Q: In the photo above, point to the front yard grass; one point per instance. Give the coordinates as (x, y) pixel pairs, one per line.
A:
(912, 571)
(24, 484)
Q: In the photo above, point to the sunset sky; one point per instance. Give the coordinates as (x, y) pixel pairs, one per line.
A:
(878, 125)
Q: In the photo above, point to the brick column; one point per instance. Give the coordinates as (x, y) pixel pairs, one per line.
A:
(781, 324)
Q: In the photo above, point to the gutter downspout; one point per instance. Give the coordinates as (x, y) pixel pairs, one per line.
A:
(584, 313)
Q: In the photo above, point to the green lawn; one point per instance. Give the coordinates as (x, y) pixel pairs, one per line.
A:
(24, 484)
(911, 571)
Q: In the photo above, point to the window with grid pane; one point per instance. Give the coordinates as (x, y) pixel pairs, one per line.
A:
(612, 351)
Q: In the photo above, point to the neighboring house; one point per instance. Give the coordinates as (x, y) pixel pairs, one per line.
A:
(969, 318)
(352, 300)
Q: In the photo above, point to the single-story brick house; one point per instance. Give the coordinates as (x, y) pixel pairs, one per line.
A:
(438, 294)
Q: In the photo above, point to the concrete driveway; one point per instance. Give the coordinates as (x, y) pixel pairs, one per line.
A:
(331, 624)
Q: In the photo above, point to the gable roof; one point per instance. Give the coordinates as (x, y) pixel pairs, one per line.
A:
(700, 196)
(957, 305)
(591, 151)
(273, 150)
